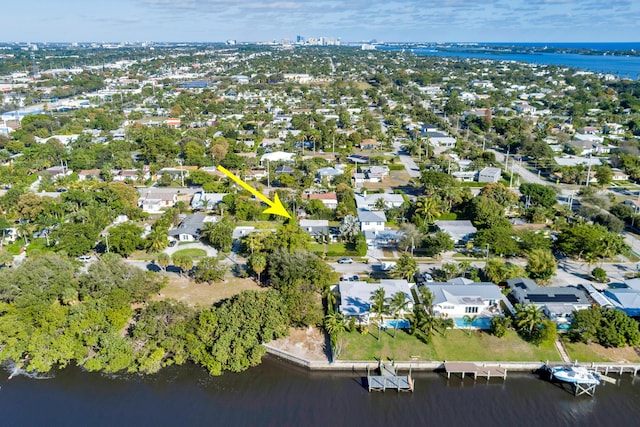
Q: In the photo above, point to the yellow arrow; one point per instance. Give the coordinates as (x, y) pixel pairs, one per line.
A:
(274, 208)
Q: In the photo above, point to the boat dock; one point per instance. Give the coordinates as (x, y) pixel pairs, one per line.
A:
(389, 379)
(464, 368)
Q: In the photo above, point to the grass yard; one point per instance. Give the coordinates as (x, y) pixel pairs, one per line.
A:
(358, 346)
(333, 249)
(201, 294)
(456, 345)
(597, 353)
(192, 252)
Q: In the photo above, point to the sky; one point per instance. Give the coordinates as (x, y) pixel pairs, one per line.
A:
(349, 20)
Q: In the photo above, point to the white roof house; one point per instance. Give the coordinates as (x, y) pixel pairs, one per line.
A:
(371, 220)
(202, 200)
(460, 231)
(457, 301)
(369, 201)
(355, 296)
(490, 174)
(277, 156)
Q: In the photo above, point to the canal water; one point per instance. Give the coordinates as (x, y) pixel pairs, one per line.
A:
(278, 394)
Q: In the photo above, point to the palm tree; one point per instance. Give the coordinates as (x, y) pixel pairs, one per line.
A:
(446, 323)
(157, 240)
(258, 263)
(428, 208)
(528, 317)
(163, 260)
(330, 297)
(334, 324)
(406, 267)
(424, 324)
(379, 306)
(468, 321)
(426, 298)
(397, 305)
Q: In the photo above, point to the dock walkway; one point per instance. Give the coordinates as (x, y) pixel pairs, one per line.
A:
(464, 368)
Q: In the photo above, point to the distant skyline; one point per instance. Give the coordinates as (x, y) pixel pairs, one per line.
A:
(350, 20)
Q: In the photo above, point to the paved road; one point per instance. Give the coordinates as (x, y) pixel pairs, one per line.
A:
(524, 174)
(409, 164)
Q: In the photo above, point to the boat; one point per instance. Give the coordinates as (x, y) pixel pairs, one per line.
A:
(575, 375)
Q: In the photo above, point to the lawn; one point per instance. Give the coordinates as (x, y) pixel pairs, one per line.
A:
(203, 294)
(456, 345)
(333, 249)
(358, 346)
(597, 353)
(192, 252)
(459, 345)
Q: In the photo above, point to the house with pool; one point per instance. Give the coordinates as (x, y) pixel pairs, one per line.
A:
(355, 301)
(470, 305)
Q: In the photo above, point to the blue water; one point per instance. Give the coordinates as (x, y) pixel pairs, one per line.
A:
(619, 65)
(402, 323)
(478, 322)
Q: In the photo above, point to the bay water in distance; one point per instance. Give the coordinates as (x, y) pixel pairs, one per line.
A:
(278, 394)
(622, 66)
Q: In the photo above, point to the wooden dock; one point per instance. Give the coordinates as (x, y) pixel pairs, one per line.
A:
(469, 368)
(389, 379)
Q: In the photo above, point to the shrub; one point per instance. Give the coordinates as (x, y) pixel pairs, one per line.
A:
(599, 274)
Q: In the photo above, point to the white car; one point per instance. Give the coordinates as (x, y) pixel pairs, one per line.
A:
(345, 261)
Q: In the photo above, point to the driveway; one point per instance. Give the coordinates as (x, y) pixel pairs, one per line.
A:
(195, 245)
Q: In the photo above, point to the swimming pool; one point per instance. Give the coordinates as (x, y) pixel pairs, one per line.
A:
(402, 323)
(478, 322)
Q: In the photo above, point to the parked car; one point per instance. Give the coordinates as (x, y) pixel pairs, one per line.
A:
(345, 261)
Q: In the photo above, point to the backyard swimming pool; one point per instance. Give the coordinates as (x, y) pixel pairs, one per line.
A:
(478, 322)
(402, 323)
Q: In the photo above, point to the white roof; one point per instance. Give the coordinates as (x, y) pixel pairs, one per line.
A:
(464, 294)
(355, 296)
(277, 156)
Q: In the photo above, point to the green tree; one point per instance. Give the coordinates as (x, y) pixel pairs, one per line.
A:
(541, 264)
(164, 260)
(157, 239)
(397, 305)
(428, 209)
(124, 239)
(539, 194)
(258, 262)
(334, 324)
(379, 307)
(528, 319)
(604, 175)
(599, 274)
(349, 228)
(183, 262)
(209, 270)
(405, 268)
(468, 321)
(500, 325)
(219, 234)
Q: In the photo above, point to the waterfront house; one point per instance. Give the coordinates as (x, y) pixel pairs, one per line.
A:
(626, 297)
(557, 302)
(455, 301)
(355, 297)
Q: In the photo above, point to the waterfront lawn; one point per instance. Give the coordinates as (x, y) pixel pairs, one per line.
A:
(481, 346)
(597, 353)
(358, 346)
